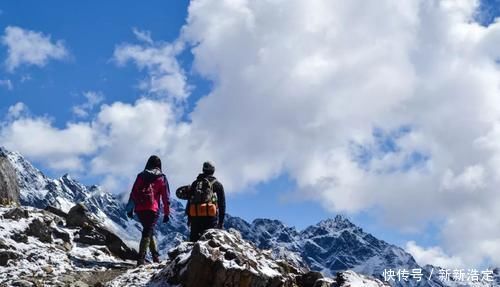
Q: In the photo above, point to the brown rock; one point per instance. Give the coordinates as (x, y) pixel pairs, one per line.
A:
(6, 255)
(16, 214)
(41, 230)
(9, 189)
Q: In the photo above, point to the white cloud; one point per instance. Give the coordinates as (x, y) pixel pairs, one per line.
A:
(27, 47)
(165, 76)
(16, 110)
(298, 84)
(37, 138)
(92, 100)
(130, 133)
(7, 83)
(434, 256)
(142, 35)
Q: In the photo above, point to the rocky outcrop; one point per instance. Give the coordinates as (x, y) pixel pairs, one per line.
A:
(92, 233)
(78, 216)
(40, 229)
(222, 258)
(351, 278)
(37, 249)
(16, 214)
(6, 255)
(9, 189)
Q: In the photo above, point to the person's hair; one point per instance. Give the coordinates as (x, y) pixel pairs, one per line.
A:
(153, 162)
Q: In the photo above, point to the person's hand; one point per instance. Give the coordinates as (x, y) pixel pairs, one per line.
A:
(130, 214)
(166, 219)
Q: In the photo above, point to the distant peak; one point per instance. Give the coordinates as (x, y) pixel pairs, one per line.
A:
(4, 151)
(338, 222)
(341, 218)
(14, 155)
(68, 179)
(259, 221)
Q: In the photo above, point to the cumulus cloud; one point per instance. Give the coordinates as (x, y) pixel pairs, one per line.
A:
(434, 256)
(25, 47)
(166, 77)
(93, 99)
(300, 88)
(39, 139)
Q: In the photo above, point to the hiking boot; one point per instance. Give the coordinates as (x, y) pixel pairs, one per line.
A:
(143, 247)
(140, 262)
(154, 250)
(156, 259)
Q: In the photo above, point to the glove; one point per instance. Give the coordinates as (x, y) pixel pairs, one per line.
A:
(166, 219)
(130, 214)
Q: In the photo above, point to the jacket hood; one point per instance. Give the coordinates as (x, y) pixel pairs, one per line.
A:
(151, 174)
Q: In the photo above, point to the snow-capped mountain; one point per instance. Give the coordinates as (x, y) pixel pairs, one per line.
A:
(330, 246)
(40, 191)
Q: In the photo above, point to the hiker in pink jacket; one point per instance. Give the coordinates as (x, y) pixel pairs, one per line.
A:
(150, 186)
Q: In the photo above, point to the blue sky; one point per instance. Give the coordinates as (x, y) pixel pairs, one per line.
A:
(91, 35)
(379, 141)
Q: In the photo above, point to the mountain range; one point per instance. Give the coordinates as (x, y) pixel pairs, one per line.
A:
(330, 246)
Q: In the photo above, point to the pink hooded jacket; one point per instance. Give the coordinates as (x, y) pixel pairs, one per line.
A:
(160, 189)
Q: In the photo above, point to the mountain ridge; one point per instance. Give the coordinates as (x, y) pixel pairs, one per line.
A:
(332, 245)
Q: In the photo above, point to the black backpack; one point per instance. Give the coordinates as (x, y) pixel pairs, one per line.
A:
(202, 191)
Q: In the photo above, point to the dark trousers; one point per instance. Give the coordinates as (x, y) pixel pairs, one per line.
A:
(148, 219)
(199, 225)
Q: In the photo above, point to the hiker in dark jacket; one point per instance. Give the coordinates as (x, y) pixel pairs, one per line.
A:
(150, 186)
(206, 214)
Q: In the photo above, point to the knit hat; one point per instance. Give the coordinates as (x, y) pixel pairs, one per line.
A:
(208, 168)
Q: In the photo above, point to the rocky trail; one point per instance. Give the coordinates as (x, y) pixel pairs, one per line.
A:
(41, 248)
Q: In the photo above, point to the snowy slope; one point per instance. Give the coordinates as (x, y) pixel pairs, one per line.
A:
(39, 257)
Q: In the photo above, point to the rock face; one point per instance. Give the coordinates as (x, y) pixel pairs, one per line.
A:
(9, 189)
(93, 233)
(222, 258)
(40, 229)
